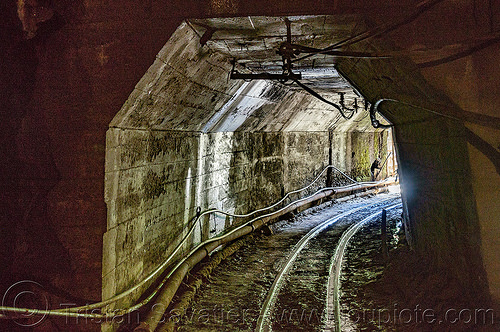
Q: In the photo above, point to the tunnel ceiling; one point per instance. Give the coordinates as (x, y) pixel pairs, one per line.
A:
(253, 42)
(189, 87)
(404, 70)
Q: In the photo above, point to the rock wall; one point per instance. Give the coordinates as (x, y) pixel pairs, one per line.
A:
(439, 204)
(61, 88)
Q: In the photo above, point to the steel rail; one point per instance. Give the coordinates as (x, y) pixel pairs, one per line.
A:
(161, 268)
(263, 321)
(336, 268)
(176, 275)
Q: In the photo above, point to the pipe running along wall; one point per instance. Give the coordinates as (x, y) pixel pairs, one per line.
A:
(189, 138)
(172, 281)
(204, 249)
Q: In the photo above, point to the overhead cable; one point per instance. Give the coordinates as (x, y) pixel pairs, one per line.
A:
(315, 94)
(380, 30)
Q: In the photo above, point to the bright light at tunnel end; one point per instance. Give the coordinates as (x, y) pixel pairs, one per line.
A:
(396, 189)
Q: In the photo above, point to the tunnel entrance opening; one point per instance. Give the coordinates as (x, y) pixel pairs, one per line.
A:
(189, 138)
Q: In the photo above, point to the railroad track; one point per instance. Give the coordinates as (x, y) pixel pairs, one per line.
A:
(265, 320)
(333, 289)
(296, 286)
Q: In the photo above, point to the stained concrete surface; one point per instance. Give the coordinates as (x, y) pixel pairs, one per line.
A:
(399, 294)
(170, 151)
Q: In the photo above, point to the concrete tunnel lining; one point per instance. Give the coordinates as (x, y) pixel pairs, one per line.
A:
(440, 207)
(188, 137)
(206, 71)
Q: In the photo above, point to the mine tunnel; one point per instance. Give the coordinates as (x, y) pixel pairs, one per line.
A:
(123, 121)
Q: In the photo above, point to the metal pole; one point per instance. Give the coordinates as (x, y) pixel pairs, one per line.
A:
(385, 252)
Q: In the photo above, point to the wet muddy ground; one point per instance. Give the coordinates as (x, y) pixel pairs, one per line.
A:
(364, 264)
(400, 292)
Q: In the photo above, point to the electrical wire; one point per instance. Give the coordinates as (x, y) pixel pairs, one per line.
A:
(460, 55)
(383, 29)
(374, 110)
(315, 94)
(460, 115)
(337, 53)
(378, 102)
(82, 311)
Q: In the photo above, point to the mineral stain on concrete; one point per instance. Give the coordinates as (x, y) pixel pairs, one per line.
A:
(154, 185)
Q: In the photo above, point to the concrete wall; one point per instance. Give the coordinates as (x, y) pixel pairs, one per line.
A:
(352, 151)
(486, 184)
(60, 90)
(439, 203)
(306, 156)
(187, 137)
(450, 165)
(155, 181)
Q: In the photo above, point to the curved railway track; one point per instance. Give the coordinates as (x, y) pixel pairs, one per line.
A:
(333, 289)
(264, 322)
(296, 286)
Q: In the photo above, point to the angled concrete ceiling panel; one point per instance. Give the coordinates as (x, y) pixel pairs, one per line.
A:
(188, 86)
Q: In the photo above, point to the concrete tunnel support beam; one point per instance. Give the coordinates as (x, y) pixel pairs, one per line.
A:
(441, 215)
